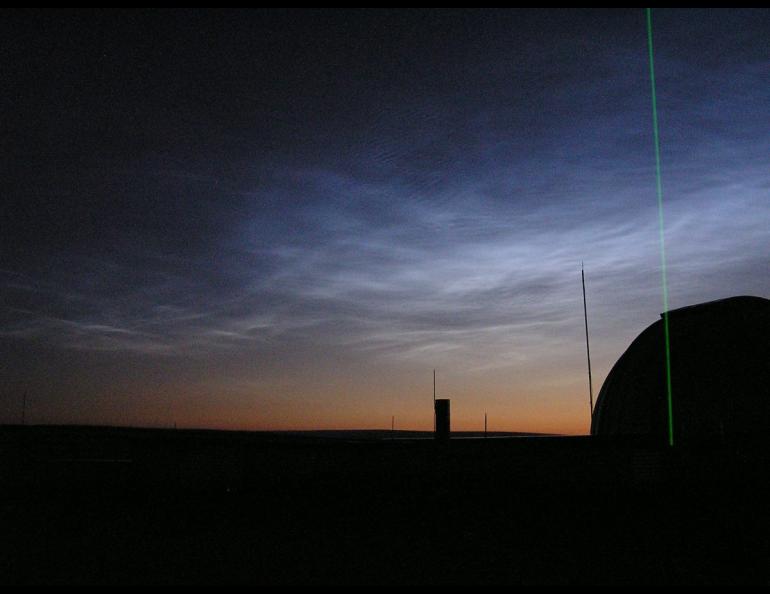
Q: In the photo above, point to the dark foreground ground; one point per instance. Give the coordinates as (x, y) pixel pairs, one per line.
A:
(122, 506)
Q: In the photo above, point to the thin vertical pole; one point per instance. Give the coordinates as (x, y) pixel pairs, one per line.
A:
(392, 426)
(434, 401)
(24, 409)
(485, 424)
(588, 349)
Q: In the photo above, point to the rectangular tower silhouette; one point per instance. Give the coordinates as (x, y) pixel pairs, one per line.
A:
(442, 419)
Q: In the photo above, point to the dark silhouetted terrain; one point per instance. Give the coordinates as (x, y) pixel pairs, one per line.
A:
(131, 506)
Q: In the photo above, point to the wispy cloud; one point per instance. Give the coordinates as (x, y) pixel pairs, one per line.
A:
(442, 220)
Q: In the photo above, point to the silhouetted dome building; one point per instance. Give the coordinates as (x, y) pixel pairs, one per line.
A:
(720, 375)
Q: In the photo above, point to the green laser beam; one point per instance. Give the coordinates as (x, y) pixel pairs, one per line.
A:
(659, 188)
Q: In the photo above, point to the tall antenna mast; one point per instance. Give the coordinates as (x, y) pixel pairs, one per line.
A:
(588, 349)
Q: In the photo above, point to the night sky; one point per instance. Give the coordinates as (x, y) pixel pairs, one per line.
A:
(287, 220)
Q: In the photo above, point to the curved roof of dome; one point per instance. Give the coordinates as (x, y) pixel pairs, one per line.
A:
(720, 374)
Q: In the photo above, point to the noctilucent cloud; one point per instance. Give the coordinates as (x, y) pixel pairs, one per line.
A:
(287, 220)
